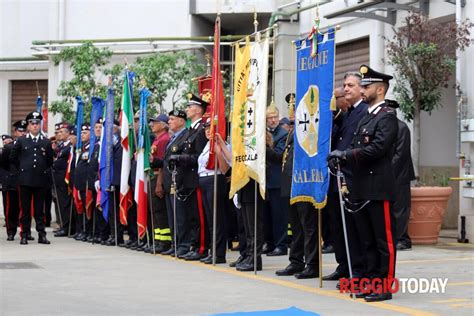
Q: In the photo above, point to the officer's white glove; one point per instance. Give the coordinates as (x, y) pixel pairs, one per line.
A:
(97, 186)
(235, 199)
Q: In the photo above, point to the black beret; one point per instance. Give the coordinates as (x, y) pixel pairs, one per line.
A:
(392, 103)
(57, 126)
(177, 113)
(288, 97)
(85, 127)
(66, 125)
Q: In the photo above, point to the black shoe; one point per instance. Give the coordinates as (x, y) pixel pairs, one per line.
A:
(335, 276)
(131, 243)
(60, 233)
(233, 264)
(168, 252)
(78, 236)
(248, 265)
(219, 260)
(206, 258)
(31, 238)
(377, 297)
(290, 270)
(42, 240)
(140, 246)
(327, 249)
(89, 238)
(73, 235)
(121, 244)
(162, 248)
(10, 238)
(277, 252)
(401, 246)
(361, 295)
(194, 256)
(110, 242)
(266, 249)
(308, 273)
(24, 241)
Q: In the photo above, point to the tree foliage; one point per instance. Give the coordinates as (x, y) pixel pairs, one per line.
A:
(85, 61)
(423, 53)
(163, 74)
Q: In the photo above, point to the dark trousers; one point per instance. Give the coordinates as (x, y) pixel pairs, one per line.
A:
(64, 202)
(304, 223)
(100, 229)
(31, 196)
(114, 219)
(356, 248)
(207, 189)
(401, 213)
(278, 213)
(186, 213)
(132, 227)
(327, 228)
(48, 199)
(241, 234)
(11, 206)
(377, 227)
(248, 218)
(80, 215)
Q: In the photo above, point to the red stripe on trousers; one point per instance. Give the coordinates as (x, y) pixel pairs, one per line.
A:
(6, 210)
(21, 212)
(388, 231)
(202, 232)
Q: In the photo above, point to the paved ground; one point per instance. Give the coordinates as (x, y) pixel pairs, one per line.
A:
(76, 278)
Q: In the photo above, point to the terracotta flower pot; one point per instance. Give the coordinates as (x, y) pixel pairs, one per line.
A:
(428, 205)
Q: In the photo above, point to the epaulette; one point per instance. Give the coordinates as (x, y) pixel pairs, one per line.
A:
(387, 109)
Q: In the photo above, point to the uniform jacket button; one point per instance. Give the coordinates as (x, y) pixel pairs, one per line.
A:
(340, 138)
(370, 172)
(358, 143)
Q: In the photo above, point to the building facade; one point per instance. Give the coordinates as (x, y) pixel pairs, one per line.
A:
(31, 31)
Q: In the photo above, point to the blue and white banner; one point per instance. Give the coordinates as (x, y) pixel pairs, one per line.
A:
(313, 120)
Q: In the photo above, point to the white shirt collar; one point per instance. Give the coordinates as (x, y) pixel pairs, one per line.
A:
(356, 104)
(196, 123)
(374, 109)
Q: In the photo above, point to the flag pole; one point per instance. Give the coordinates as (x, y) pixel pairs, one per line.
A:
(255, 24)
(150, 202)
(319, 248)
(173, 191)
(216, 128)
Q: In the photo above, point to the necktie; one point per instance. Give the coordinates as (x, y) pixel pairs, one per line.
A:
(34, 140)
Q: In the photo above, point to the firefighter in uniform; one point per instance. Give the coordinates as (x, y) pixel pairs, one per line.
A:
(33, 155)
(162, 231)
(370, 157)
(11, 201)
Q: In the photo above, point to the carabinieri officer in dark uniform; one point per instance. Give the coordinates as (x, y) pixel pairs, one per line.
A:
(33, 155)
(370, 157)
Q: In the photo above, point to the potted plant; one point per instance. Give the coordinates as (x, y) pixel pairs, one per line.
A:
(429, 200)
(423, 54)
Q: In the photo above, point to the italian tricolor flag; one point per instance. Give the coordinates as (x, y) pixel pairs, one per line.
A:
(126, 134)
(143, 166)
